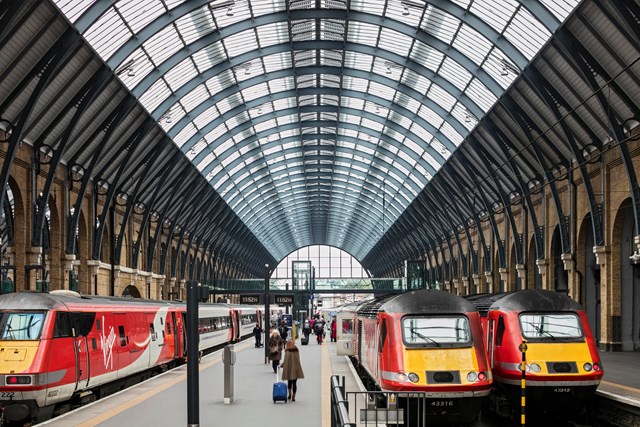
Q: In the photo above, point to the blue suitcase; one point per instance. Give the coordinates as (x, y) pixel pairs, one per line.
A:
(280, 392)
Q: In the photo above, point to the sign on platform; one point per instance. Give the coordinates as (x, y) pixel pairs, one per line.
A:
(249, 299)
(283, 299)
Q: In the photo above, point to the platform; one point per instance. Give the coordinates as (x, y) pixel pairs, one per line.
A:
(162, 401)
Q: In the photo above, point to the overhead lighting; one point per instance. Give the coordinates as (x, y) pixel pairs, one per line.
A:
(230, 11)
(405, 10)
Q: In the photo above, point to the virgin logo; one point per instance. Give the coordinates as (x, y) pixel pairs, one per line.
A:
(107, 346)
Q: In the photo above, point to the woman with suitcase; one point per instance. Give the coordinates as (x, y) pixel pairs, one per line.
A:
(292, 369)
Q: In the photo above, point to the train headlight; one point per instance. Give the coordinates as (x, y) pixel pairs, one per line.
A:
(472, 377)
(413, 377)
(534, 367)
(597, 367)
(401, 377)
(588, 367)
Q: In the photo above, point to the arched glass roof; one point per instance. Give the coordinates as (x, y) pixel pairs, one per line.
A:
(317, 121)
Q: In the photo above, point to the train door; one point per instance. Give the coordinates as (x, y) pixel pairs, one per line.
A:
(235, 325)
(121, 346)
(79, 331)
(182, 332)
(172, 336)
(345, 334)
(490, 342)
(156, 340)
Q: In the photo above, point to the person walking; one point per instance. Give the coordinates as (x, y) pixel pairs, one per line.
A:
(275, 349)
(333, 329)
(257, 334)
(292, 369)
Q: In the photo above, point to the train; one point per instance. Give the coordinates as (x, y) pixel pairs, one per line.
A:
(563, 368)
(424, 343)
(59, 350)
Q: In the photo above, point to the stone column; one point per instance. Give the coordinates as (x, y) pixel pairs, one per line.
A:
(504, 278)
(488, 275)
(522, 275)
(94, 268)
(476, 282)
(543, 268)
(69, 261)
(608, 294)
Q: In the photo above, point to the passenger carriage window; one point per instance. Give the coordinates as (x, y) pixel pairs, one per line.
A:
(98, 325)
(383, 335)
(152, 330)
(169, 328)
(93, 344)
(62, 327)
(123, 338)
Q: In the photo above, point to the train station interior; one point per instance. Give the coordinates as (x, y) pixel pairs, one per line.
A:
(467, 146)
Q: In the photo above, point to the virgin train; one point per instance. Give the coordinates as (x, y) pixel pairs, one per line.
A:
(563, 368)
(425, 341)
(60, 349)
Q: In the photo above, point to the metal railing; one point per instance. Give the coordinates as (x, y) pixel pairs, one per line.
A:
(339, 404)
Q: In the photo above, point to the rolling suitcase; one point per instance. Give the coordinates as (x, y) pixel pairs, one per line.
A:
(279, 389)
(304, 340)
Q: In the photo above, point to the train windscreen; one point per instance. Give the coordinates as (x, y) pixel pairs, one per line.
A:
(21, 325)
(436, 331)
(550, 326)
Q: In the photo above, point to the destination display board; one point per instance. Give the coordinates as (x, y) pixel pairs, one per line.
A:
(249, 299)
(283, 299)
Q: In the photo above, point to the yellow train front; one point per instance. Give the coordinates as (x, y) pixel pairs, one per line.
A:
(429, 342)
(563, 367)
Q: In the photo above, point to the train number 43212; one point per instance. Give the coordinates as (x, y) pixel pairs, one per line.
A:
(562, 390)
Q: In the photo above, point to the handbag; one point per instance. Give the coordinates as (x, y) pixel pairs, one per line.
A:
(273, 349)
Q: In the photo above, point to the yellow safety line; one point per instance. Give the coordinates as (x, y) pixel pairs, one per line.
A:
(130, 404)
(624, 387)
(325, 386)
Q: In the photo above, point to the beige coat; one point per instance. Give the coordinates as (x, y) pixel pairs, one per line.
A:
(291, 368)
(275, 340)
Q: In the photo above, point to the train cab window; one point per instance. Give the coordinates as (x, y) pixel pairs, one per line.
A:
(123, 338)
(500, 331)
(347, 326)
(436, 331)
(62, 326)
(551, 326)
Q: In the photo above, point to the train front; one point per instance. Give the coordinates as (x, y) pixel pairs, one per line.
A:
(437, 351)
(22, 382)
(563, 368)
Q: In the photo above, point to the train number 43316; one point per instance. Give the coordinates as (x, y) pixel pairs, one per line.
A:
(442, 403)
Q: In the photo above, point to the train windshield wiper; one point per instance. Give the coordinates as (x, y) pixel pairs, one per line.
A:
(424, 337)
(540, 331)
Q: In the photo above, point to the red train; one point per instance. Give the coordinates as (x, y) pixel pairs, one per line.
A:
(61, 349)
(425, 341)
(563, 367)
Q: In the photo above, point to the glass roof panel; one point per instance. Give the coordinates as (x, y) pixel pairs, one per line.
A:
(419, 78)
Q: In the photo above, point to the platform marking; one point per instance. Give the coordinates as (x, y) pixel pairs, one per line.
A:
(156, 390)
(624, 387)
(325, 386)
